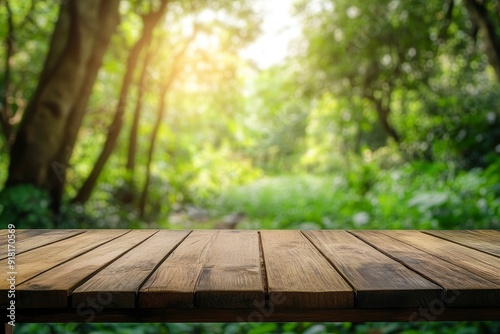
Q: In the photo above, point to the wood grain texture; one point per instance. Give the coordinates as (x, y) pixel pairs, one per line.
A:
(214, 276)
(31, 239)
(52, 288)
(4, 231)
(463, 288)
(21, 234)
(36, 261)
(479, 263)
(299, 276)
(231, 276)
(173, 283)
(483, 240)
(379, 281)
(30, 233)
(121, 280)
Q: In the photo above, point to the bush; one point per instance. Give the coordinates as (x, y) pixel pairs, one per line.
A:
(415, 196)
(25, 206)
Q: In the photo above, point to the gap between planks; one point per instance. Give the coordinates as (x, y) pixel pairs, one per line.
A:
(462, 288)
(39, 237)
(395, 258)
(156, 267)
(263, 271)
(48, 263)
(54, 287)
(379, 281)
(459, 255)
(476, 242)
(334, 267)
(121, 291)
(205, 270)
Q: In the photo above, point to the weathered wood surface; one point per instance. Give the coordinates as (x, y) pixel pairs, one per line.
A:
(52, 288)
(232, 275)
(479, 263)
(152, 275)
(379, 281)
(31, 239)
(219, 269)
(38, 260)
(121, 280)
(462, 287)
(485, 241)
(299, 276)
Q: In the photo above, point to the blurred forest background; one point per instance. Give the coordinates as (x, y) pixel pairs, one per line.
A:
(384, 114)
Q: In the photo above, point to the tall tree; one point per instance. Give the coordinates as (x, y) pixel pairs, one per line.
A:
(20, 22)
(141, 89)
(482, 15)
(5, 110)
(162, 107)
(149, 22)
(49, 128)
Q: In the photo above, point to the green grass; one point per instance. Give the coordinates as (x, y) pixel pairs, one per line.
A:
(413, 197)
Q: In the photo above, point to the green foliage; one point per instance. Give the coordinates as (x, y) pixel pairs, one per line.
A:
(416, 196)
(264, 328)
(463, 123)
(414, 65)
(25, 206)
(299, 145)
(32, 26)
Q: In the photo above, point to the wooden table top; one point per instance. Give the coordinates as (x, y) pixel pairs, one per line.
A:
(267, 275)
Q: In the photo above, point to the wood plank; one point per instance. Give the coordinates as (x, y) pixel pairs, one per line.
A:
(38, 260)
(122, 278)
(299, 276)
(379, 281)
(463, 288)
(22, 233)
(3, 236)
(215, 267)
(485, 241)
(173, 283)
(246, 316)
(231, 276)
(52, 288)
(36, 238)
(27, 232)
(477, 262)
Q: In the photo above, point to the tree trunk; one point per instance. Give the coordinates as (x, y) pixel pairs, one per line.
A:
(154, 135)
(5, 111)
(161, 111)
(480, 17)
(149, 23)
(383, 112)
(132, 144)
(44, 143)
